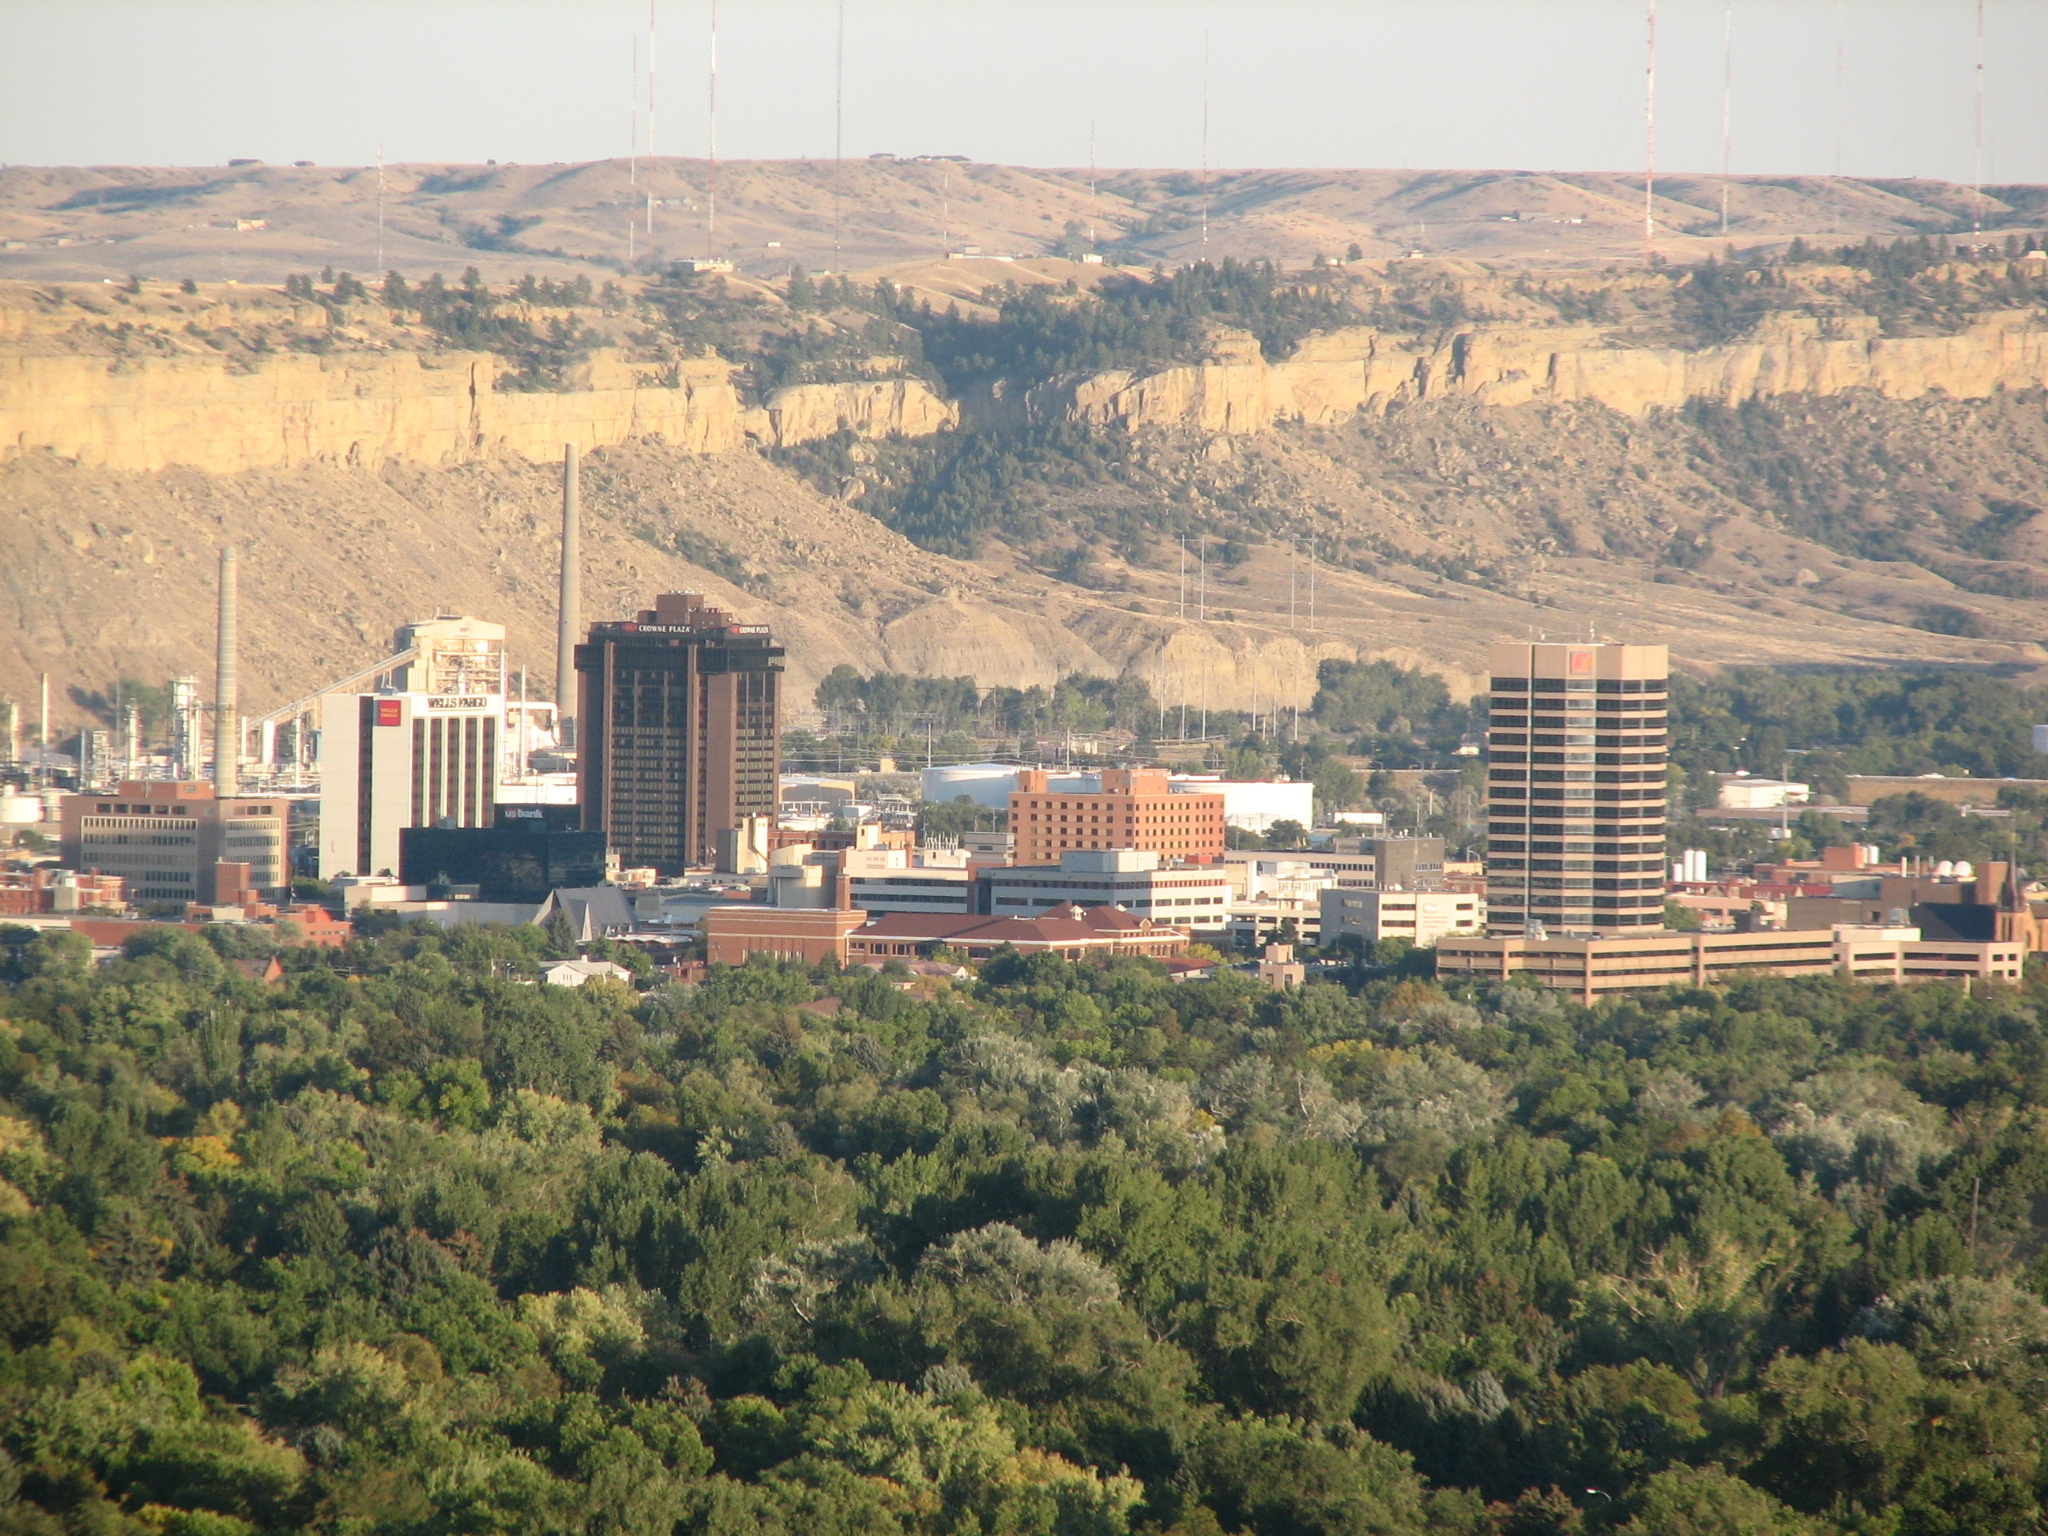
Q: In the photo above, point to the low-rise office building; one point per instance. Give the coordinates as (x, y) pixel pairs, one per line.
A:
(1197, 899)
(1421, 917)
(1596, 967)
(166, 840)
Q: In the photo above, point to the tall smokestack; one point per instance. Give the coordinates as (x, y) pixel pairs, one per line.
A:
(227, 704)
(572, 599)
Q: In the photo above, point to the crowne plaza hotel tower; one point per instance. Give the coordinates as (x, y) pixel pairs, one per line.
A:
(678, 730)
(1576, 747)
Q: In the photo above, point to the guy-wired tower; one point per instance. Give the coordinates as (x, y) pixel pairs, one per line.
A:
(1577, 745)
(678, 735)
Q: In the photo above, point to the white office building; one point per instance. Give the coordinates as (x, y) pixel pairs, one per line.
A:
(395, 760)
(1421, 917)
(1195, 898)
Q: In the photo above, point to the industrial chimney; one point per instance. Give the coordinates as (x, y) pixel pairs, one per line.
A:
(572, 600)
(227, 704)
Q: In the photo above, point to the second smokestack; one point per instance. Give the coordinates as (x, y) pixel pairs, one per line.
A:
(572, 599)
(227, 701)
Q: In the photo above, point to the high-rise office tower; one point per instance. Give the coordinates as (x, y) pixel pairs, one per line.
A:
(1576, 752)
(678, 734)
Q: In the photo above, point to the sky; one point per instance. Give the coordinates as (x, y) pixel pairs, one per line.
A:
(1882, 88)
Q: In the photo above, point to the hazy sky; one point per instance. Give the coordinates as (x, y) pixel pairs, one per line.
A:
(1525, 84)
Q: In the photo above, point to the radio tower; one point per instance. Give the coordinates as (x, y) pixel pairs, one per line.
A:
(1205, 147)
(632, 148)
(711, 198)
(1727, 102)
(838, 130)
(651, 40)
(1650, 142)
(1977, 156)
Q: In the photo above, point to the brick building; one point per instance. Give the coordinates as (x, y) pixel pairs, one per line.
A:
(166, 839)
(1135, 808)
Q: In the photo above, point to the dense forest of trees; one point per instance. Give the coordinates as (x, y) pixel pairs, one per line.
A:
(407, 1244)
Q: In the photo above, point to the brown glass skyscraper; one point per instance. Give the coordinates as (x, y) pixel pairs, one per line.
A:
(678, 730)
(1576, 746)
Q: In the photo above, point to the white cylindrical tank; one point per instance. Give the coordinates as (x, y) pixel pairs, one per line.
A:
(1944, 870)
(1965, 870)
(988, 785)
(20, 810)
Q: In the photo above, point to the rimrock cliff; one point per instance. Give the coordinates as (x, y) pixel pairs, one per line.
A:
(440, 408)
(1341, 373)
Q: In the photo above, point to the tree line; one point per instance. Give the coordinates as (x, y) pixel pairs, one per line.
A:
(407, 1243)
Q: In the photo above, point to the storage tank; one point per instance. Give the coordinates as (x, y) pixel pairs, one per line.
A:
(988, 785)
(20, 810)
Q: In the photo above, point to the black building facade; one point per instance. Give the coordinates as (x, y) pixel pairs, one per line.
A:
(531, 851)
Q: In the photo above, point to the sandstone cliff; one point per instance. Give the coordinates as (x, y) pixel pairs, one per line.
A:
(412, 408)
(372, 408)
(1338, 374)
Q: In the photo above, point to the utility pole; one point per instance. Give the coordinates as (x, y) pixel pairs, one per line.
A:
(1311, 586)
(227, 689)
(569, 609)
